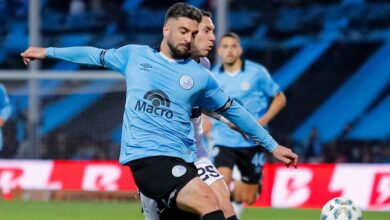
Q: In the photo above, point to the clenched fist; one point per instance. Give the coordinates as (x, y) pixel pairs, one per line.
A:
(33, 53)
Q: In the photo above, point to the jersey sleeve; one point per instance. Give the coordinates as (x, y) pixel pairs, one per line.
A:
(268, 85)
(244, 120)
(115, 59)
(5, 104)
(213, 96)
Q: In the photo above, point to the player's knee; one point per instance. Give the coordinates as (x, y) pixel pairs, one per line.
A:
(198, 197)
(223, 195)
(227, 208)
(209, 197)
(250, 198)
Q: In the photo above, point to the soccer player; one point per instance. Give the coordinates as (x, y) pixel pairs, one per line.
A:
(249, 84)
(202, 45)
(162, 89)
(5, 111)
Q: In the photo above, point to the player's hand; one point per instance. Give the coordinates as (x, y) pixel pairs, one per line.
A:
(285, 155)
(1, 122)
(33, 53)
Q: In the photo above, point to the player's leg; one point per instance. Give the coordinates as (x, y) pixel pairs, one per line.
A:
(149, 207)
(175, 213)
(238, 206)
(250, 165)
(210, 175)
(221, 191)
(174, 183)
(224, 160)
(244, 192)
(152, 211)
(197, 196)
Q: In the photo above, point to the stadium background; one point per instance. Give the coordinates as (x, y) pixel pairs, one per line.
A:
(331, 57)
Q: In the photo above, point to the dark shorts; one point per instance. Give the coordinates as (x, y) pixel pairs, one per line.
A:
(172, 214)
(161, 178)
(249, 160)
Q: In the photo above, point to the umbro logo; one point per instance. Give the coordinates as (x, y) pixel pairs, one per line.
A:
(145, 66)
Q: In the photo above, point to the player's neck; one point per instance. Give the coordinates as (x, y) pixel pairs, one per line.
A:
(165, 51)
(197, 59)
(233, 67)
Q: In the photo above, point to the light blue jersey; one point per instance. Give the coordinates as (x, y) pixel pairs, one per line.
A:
(253, 88)
(5, 110)
(160, 96)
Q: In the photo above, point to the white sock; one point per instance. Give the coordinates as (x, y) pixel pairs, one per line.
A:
(238, 208)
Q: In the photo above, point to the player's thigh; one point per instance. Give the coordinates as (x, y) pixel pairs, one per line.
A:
(196, 196)
(210, 175)
(161, 178)
(221, 190)
(152, 211)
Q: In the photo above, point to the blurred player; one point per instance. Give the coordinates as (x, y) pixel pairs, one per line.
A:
(5, 111)
(162, 89)
(203, 44)
(249, 84)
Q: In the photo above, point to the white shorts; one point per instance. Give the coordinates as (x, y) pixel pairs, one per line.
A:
(207, 171)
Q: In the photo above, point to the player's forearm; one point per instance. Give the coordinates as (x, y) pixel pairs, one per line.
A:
(278, 103)
(211, 114)
(81, 55)
(240, 117)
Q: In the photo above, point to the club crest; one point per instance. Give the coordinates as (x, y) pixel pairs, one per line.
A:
(186, 82)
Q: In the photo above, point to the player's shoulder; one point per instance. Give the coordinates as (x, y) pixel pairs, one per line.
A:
(137, 47)
(255, 67)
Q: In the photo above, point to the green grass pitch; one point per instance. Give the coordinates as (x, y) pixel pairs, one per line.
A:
(19, 210)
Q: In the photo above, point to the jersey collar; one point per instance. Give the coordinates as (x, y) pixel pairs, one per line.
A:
(172, 60)
(221, 69)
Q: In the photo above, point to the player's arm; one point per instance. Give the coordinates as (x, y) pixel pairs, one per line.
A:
(271, 89)
(115, 59)
(277, 104)
(6, 110)
(216, 100)
(225, 121)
